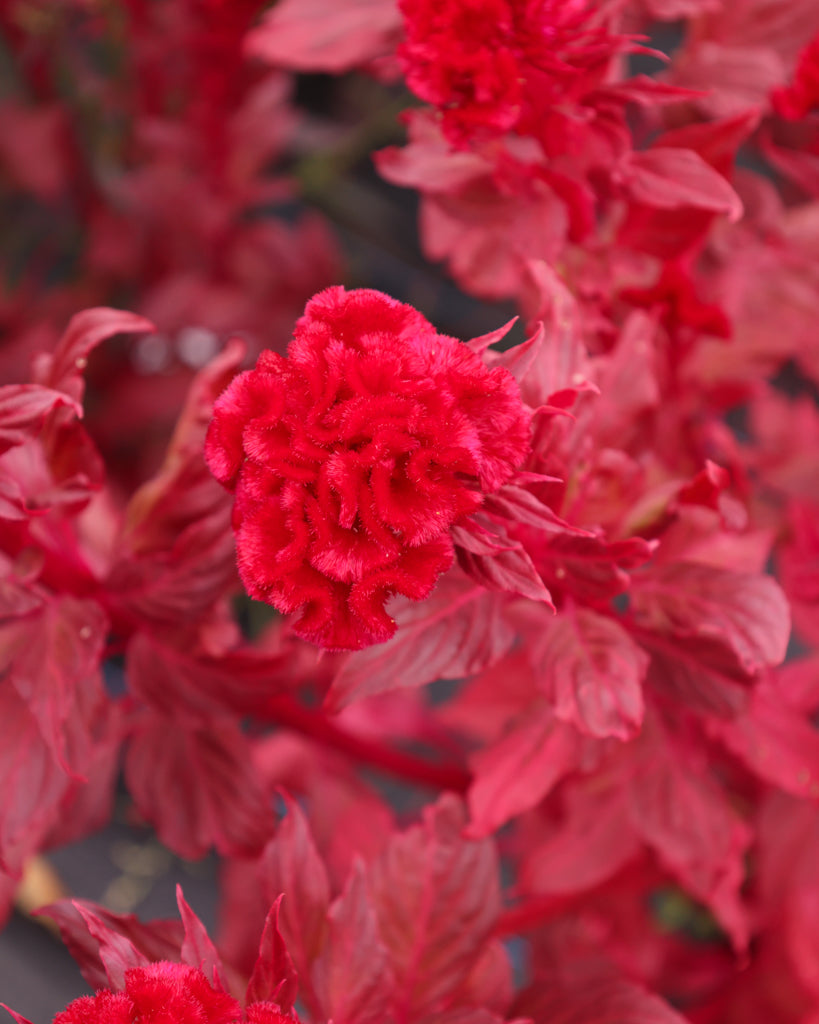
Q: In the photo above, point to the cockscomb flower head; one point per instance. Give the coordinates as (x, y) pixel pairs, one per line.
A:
(162, 993)
(353, 456)
(491, 65)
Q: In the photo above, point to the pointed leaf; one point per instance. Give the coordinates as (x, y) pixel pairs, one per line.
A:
(517, 772)
(481, 344)
(179, 682)
(309, 35)
(510, 570)
(155, 940)
(518, 505)
(24, 407)
(594, 996)
(776, 741)
(197, 949)
(593, 673)
(736, 623)
(65, 368)
(687, 818)
(437, 896)
(116, 952)
(671, 179)
(352, 977)
(291, 864)
(51, 656)
(18, 1017)
(177, 550)
(220, 801)
(31, 780)
(455, 632)
(274, 978)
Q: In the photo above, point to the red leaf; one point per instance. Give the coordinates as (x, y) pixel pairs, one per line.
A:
(591, 568)
(559, 362)
(197, 949)
(217, 800)
(437, 896)
(735, 623)
(510, 570)
(117, 953)
(291, 864)
(51, 656)
(178, 555)
(85, 926)
(32, 783)
(24, 407)
(86, 805)
(185, 682)
(472, 1015)
(64, 368)
(673, 179)
(593, 673)
(776, 741)
(309, 35)
(455, 632)
(517, 505)
(274, 978)
(716, 142)
(687, 818)
(516, 773)
(18, 1017)
(476, 539)
(481, 344)
(352, 977)
(592, 842)
(52, 711)
(593, 996)
(490, 983)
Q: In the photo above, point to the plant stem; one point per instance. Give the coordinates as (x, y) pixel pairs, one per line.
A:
(529, 915)
(290, 714)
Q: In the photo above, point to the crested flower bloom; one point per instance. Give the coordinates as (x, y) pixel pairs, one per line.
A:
(352, 457)
(492, 66)
(166, 993)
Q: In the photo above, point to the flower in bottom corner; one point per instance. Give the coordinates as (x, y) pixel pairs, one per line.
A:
(159, 993)
(166, 993)
(352, 458)
(125, 961)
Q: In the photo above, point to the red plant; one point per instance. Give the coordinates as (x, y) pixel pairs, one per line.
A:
(545, 587)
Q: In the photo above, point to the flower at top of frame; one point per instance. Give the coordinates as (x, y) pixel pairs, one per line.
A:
(489, 66)
(352, 457)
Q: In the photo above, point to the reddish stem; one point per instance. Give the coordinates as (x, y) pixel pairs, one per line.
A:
(529, 915)
(288, 713)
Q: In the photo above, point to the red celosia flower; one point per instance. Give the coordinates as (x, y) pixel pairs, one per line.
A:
(493, 64)
(160, 993)
(353, 457)
(798, 99)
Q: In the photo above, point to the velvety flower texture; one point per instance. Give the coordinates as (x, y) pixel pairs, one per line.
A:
(493, 65)
(166, 993)
(352, 457)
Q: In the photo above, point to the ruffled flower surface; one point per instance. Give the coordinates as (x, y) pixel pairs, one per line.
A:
(352, 457)
(166, 993)
(491, 65)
